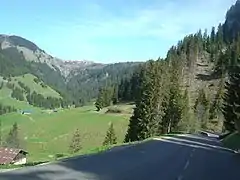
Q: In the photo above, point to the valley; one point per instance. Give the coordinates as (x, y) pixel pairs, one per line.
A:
(46, 133)
(54, 108)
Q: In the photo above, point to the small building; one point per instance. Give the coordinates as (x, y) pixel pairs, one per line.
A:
(12, 156)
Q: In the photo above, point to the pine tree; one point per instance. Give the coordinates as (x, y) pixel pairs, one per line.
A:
(137, 125)
(173, 111)
(110, 138)
(115, 95)
(215, 108)
(100, 101)
(186, 122)
(173, 107)
(231, 100)
(12, 139)
(213, 35)
(147, 117)
(201, 108)
(219, 37)
(75, 144)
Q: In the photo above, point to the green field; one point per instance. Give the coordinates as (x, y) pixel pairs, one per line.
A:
(45, 134)
(6, 99)
(28, 80)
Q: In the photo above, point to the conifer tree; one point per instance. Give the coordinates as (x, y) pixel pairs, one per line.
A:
(186, 122)
(201, 108)
(75, 144)
(100, 101)
(231, 100)
(173, 110)
(215, 108)
(138, 122)
(147, 117)
(115, 95)
(110, 138)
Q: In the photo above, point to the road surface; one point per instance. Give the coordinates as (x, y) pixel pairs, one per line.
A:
(179, 158)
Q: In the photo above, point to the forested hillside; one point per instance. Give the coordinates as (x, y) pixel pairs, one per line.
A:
(185, 91)
(26, 92)
(77, 82)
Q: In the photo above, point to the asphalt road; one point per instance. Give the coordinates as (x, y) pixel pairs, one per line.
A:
(181, 158)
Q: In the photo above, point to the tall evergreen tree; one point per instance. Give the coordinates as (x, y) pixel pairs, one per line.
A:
(75, 144)
(186, 122)
(231, 100)
(173, 108)
(110, 138)
(147, 117)
(115, 95)
(202, 109)
(216, 105)
(219, 37)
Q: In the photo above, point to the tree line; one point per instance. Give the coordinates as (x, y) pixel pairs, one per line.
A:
(34, 98)
(161, 89)
(6, 109)
(39, 100)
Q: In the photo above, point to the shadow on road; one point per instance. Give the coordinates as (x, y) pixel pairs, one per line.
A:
(127, 162)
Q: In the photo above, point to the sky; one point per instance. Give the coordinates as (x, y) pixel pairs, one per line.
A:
(109, 30)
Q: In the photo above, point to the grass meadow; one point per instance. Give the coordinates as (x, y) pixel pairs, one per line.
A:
(45, 134)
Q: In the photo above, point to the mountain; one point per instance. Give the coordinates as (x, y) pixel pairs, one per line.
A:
(76, 81)
(232, 23)
(32, 53)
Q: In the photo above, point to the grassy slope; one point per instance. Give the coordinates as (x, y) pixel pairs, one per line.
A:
(48, 134)
(5, 93)
(45, 135)
(6, 99)
(28, 80)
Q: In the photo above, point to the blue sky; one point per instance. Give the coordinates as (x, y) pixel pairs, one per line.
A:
(109, 30)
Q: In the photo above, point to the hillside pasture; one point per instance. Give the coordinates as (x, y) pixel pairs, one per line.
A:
(46, 134)
(28, 80)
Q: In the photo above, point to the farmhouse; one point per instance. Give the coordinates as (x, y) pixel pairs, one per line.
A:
(12, 156)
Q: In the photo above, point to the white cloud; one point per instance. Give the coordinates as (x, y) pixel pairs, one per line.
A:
(165, 21)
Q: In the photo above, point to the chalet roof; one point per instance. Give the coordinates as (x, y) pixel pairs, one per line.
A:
(7, 155)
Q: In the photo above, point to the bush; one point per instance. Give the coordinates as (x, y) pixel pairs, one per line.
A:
(222, 136)
(114, 110)
(232, 141)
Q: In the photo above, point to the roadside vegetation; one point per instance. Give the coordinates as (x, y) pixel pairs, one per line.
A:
(232, 141)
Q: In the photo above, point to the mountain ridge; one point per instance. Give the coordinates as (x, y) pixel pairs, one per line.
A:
(33, 53)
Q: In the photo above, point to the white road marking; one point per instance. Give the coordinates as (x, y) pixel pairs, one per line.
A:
(186, 165)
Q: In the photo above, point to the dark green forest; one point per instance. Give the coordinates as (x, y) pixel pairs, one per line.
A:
(161, 89)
